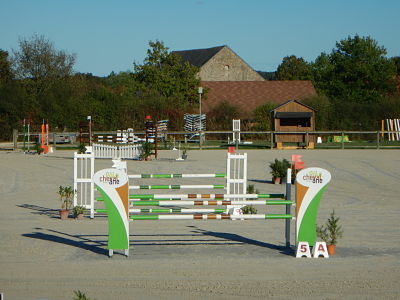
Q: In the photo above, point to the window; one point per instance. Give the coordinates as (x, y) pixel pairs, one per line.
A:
(298, 122)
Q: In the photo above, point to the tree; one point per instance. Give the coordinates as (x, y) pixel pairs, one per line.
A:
(164, 73)
(5, 67)
(38, 61)
(293, 68)
(357, 70)
(262, 116)
(396, 61)
(221, 116)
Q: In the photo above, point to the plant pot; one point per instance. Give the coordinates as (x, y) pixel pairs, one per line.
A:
(64, 213)
(80, 217)
(331, 249)
(276, 180)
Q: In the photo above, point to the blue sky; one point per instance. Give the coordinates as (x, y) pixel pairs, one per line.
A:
(110, 35)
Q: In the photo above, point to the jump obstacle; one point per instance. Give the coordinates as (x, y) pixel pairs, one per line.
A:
(131, 151)
(235, 179)
(120, 207)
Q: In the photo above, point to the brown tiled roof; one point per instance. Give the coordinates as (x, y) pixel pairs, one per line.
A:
(248, 95)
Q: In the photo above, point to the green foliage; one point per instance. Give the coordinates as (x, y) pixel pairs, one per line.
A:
(331, 231)
(6, 73)
(38, 148)
(80, 296)
(81, 148)
(66, 194)
(221, 116)
(357, 71)
(164, 74)
(355, 84)
(251, 189)
(293, 68)
(250, 209)
(279, 168)
(146, 150)
(396, 61)
(262, 116)
(77, 210)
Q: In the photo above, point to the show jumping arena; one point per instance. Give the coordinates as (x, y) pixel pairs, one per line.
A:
(43, 257)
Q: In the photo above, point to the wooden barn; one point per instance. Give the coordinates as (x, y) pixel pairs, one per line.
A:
(296, 117)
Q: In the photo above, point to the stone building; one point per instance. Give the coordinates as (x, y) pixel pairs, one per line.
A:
(228, 78)
(220, 64)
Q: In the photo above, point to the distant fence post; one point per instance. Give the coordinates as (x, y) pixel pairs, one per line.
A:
(15, 139)
(342, 139)
(272, 139)
(378, 133)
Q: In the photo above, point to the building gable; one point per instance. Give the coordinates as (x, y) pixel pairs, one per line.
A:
(226, 65)
(198, 57)
(219, 64)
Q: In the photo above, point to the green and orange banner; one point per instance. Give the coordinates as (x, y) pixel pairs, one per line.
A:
(310, 185)
(113, 186)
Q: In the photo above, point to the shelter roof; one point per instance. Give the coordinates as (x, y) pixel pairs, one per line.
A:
(248, 95)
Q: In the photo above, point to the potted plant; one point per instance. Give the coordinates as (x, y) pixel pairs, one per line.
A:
(330, 232)
(146, 150)
(81, 148)
(250, 209)
(78, 212)
(66, 194)
(279, 169)
(38, 148)
(185, 149)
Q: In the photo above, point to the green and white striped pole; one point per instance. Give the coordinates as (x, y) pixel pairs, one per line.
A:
(211, 217)
(178, 175)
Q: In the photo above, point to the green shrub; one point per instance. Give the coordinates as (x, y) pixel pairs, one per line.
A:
(331, 231)
(279, 168)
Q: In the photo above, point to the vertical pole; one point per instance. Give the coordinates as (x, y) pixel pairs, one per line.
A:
(342, 139)
(91, 185)
(75, 178)
(28, 137)
(237, 133)
(272, 140)
(200, 91)
(156, 139)
(90, 132)
(288, 206)
(307, 139)
(24, 137)
(15, 139)
(377, 139)
(387, 127)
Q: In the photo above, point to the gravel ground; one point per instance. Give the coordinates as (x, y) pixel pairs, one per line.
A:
(42, 257)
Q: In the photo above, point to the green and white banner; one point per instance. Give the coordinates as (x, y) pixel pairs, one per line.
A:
(310, 185)
(113, 186)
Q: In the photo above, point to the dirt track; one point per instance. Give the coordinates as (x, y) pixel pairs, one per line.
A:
(42, 257)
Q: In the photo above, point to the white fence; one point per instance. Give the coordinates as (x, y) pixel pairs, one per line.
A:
(111, 151)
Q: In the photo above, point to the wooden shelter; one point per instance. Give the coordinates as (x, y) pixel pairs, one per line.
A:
(298, 118)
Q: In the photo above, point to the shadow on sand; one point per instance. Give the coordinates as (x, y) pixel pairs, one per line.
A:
(98, 243)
